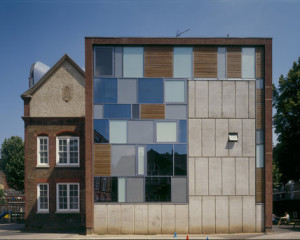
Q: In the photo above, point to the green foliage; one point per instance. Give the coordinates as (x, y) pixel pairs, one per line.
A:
(2, 199)
(12, 162)
(286, 100)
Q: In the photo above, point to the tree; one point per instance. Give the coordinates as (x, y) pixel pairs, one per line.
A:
(286, 100)
(12, 162)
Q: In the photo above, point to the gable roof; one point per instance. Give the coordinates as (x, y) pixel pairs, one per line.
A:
(43, 80)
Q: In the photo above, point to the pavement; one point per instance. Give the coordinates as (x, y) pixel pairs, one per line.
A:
(17, 231)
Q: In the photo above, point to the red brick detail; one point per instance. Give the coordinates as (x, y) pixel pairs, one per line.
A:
(27, 107)
(66, 132)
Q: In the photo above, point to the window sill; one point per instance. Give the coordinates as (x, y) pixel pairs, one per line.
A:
(67, 166)
(42, 166)
(67, 211)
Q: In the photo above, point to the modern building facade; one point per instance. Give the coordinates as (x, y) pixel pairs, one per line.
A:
(176, 137)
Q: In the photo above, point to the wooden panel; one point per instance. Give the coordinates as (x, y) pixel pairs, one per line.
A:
(152, 111)
(260, 96)
(205, 62)
(260, 62)
(102, 161)
(260, 116)
(158, 62)
(260, 185)
(234, 62)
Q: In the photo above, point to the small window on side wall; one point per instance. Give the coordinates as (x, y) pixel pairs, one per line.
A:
(43, 151)
(103, 61)
(67, 153)
(43, 197)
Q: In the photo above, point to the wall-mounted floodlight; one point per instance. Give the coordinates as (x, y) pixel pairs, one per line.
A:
(233, 137)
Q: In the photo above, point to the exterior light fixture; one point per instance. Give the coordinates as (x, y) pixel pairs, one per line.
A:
(233, 137)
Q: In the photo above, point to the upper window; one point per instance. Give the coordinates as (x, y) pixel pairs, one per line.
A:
(103, 61)
(43, 197)
(175, 91)
(43, 152)
(133, 62)
(67, 197)
(183, 62)
(248, 62)
(68, 151)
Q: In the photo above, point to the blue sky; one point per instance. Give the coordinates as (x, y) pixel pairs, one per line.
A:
(44, 30)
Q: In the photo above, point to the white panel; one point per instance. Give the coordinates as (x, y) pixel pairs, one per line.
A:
(133, 61)
(174, 91)
(121, 190)
(260, 156)
(183, 62)
(248, 62)
(166, 131)
(118, 131)
(141, 160)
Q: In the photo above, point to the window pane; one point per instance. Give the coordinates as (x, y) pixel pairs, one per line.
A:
(150, 90)
(174, 91)
(183, 131)
(103, 61)
(183, 62)
(135, 190)
(74, 193)
(118, 131)
(43, 197)
(121, 190)
(176, 112)
(133, 62)
(179, 191)
(158, 189)
(221, 62)
(62, 196)
(141, 160)
(107, 191)
(259, 136)
(166, 132)
(160, 160)
(140, 132)
(118, 61)
(180, 159)
(123, 160)
(248, 62)
(105, 90)
(117, 111)
(127, 91)
(101, 131)
(260, 156)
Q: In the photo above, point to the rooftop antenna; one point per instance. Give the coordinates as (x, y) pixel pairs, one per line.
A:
(180, 33)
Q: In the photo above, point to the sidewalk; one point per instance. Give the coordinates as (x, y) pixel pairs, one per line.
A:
(17, 231)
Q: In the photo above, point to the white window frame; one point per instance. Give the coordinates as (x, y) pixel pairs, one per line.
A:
(39, 164)
(68, 210)
(39, 210)
(68, 138)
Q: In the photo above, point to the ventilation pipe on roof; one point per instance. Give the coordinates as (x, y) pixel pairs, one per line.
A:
(37, 71)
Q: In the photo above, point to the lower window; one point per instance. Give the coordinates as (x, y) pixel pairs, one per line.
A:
(43, 197)
(67, 197)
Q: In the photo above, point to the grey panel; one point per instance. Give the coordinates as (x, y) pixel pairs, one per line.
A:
(140, 132)
(127, 91)
(221, 62)
(98, 111)
(123, 160)
(135, 111)
(259, 136)
(135, 190)
(259, 84)
(118, 62)
(179, 192)
(176, 112)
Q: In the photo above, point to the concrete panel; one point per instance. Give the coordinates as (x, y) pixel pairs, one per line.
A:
(140, 219)
(235, 148)
(168, 219)
(215, 99)
(209, 214)
(191, 176)
(191, 100)
(114, 219)
(201, 99)
(252, 176)
(235, 214)
(242, 176)
(182, 219)
(154, 219)
(228, 99)
(228, 176)
(208, 137)
(249, 213)
(215, 176)
(195, 215)
(222, 215)
(249, 137)
(252, 94)
(221, 137)
(241, 101)
(100, 219)
(127, 216)
(201, 176)
(195, 137)
(259, 218)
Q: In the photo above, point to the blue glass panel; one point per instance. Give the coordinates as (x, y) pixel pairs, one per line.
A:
(103, 61)
(101, 131)
(150, 90)
(160, 160)
(105, 90)
(158, 189)
(182, 131)
(105, 189)
(117, 111)
(180, 159)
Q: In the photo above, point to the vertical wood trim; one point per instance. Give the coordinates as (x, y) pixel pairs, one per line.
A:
(205, 62)
(260, 185)
(260, 62)
(234, 62)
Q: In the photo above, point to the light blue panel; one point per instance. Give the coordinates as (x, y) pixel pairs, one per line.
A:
(140, 132)
(248, 63)
(123, 160)
(127, 91)
(166, 132)
(259, 84)
(222, 62)
(179, 190)
(133, 62)
(183, 62)
(259, 136)
(260, 156)
(176, 111)
(175, 91)
(98, 111)
(118, 131)
(118, 62)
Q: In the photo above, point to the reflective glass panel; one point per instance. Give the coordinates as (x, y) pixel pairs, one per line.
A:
(118, 131)
(166, 132)
(105, 189)
(160, 160)
(101, 131)
(175, 91)
(103, 61)
(150, 90)
(135, 190)
(260, 156)
(183, 131)
(248, 62)
(180, 159)
(183, 62)
(133, 62)
(179, 192)
(105, 90)
(117, 111)
(158, 189)
(123, 160)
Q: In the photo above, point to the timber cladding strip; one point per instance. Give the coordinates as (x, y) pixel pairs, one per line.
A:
(234, 64)
(102, 153)
(205, 62)
(260, 63)
(152, 111)
(260, 185)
